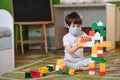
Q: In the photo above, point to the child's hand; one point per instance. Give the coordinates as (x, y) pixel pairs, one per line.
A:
(85, 39)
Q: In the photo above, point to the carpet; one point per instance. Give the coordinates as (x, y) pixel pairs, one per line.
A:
(34, 61)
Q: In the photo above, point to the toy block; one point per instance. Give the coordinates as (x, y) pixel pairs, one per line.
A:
(64, 70)
(100, 23)
(88, 44)
(99, 59)
(103, 33)
(28, 75)
(60, 63)
(92, 33)
(50, 68)
(60, 71)
(91, 72)
(71, 72)
(102, 67)
(99, 48)
(106, 44)
(102, 73)
(57, 68)
(97, 37)
(103, 60)
(94, 50)
(94, 25)
(91, 69)
(99, 51)
(100, 55)
(44, 74)
(94, 55)
(80, 44)
(35, 74)
(91, 64)
(54, 66)
(44, 70)
(67, 69)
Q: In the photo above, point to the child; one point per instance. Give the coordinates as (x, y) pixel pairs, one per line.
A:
(74, 53)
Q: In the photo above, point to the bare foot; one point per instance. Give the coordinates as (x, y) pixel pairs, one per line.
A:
(116, 61)
(84, 68)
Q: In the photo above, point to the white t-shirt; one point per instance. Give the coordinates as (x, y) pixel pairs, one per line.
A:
(69, 39)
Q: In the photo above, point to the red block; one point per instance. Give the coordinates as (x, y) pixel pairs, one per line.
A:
(91, 33)
(64, 70)
(100, 55)
(99, 48)
(91, 69)
(35, 74)
(54, 66)
(102, 73)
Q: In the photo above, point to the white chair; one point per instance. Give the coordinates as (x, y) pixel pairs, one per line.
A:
(6, 43)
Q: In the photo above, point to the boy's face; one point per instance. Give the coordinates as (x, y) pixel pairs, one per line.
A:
(75, 29)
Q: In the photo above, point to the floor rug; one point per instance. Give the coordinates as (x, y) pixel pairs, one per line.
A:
(35, 61)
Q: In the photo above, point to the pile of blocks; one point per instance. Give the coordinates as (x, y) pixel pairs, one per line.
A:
(61, 68)
(97, 45)
(42, 71)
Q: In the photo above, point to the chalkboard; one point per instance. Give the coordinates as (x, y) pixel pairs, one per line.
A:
(32, 10)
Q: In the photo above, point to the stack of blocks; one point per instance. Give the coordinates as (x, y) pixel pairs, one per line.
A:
(61, 68)
(43, 71)
(97, 45)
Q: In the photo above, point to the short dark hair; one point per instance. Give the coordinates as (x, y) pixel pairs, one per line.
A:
(74, 18)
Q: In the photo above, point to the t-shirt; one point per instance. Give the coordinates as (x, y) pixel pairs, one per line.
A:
(69, 39)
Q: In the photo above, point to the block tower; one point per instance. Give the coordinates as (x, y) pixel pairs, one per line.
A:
(97, 45)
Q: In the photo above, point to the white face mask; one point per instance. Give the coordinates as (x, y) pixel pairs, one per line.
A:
(74, 30)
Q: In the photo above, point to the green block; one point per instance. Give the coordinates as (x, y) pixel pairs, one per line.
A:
(55, 1)
(94, 25)
(99, 59)
(67, 69)
(103, 33)
(60, 71)
(50, 68)
(95, 58)
(103, 60)
(28, 75)
(44, 74)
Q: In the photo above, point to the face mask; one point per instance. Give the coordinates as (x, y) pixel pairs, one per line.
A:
(74, 30)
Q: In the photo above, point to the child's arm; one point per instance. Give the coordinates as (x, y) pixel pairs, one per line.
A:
(71, 49)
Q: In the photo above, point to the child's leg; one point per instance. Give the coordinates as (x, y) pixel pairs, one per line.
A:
(84, 68)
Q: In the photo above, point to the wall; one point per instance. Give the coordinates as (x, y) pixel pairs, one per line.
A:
(5, 4)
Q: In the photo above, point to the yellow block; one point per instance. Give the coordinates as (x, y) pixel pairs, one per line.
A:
(60, 63)
(43, 70)
(80, 44)
(106, 44)
(94, 50)
(91, 64)
(102, 67)
(71, 72)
